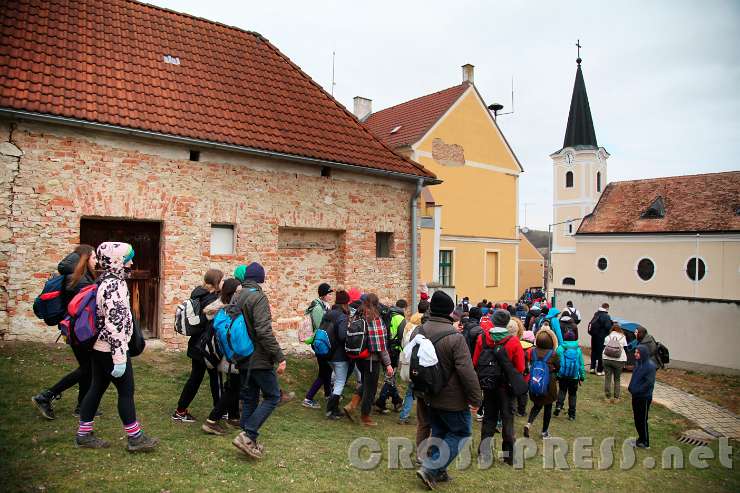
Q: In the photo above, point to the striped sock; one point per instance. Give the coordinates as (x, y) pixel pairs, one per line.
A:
(86, 427)
(133, 430)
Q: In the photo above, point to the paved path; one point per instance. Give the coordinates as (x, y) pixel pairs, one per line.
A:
(708, 416)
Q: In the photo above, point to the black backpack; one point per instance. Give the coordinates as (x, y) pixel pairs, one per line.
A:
(428, 380)
(662, 355)
(490, 372)
(356, 343)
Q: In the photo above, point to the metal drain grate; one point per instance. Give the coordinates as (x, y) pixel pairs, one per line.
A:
(696, 438)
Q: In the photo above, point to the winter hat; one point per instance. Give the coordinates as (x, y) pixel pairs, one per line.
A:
(423, 296)
(501, 318)
(484, 310)
(528, 336)
(354, 294)
(441, 304)
(569, 336)
(324, 289)
(254, 272)
(475, 313)
(342, 297)
(239, 272)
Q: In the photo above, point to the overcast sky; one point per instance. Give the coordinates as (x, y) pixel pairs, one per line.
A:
(663, 77)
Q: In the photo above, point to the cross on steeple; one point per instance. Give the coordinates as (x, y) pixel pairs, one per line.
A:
(578, 44)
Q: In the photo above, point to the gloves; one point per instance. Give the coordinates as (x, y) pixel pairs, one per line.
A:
(118, 370)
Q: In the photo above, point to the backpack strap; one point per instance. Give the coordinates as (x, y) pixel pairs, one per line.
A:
(547, 356)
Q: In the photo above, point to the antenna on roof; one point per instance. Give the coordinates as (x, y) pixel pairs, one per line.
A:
(496, 107)
(333, 57)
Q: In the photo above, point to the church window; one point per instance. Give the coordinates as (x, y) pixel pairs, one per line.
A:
(602, 264)
(598, 181)
(691, 269)
(645, 269)
(569, 179)
(569, 281)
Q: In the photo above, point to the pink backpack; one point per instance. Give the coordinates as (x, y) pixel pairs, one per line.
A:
(79, 326)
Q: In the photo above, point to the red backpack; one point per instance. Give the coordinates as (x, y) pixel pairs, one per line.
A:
(80, 325)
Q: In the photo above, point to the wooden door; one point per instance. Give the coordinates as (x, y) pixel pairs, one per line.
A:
(144, 282)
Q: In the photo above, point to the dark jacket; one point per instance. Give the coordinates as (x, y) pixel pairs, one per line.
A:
(337, 332)
(471, 332)
(601, 325)
(643, 376)
(204, 298)
(256, 309)
(67, 267)
(462, 388)
(566, 325)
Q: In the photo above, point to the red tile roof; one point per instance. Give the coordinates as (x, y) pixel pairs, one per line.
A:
(104, 61)
(694, 203)
(414, 117)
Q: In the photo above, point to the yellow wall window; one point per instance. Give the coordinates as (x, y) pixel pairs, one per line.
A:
(491, 269)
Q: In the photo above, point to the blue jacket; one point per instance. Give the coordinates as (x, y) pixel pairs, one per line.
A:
(643, 376)
(552, 317)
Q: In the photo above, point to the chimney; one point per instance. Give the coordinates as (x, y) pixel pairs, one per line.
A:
(363, 107)
(468, 72)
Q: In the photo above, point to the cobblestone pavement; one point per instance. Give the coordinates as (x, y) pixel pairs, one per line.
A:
(710, 417)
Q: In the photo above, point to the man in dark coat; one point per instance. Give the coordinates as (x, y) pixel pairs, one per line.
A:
(599, 328)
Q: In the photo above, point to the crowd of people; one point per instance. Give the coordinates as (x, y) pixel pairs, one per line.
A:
(493, 360)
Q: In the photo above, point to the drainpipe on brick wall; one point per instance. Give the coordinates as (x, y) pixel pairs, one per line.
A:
(414, 247)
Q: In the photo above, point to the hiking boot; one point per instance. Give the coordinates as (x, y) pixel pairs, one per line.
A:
(311, 404)
(142, 443)
(43, 402)
(185, 417)
(367, 421)
(90, 441)
(426, 478)
(234, 422)
(213, 428)
(557, 410)
(443, 477)
(349, 408)
(286, 397)
(526, 430)
(571, 417)
(246, 445)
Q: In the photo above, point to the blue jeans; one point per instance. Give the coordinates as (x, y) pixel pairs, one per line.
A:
(408, 402)
(254, 413)
(341, 370)
(451, 427)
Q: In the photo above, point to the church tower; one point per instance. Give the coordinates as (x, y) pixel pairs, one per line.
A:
(579, 177)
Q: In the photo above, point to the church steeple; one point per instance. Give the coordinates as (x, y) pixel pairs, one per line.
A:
(580, 129)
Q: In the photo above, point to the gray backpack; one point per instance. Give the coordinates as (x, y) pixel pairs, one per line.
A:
(613, 349)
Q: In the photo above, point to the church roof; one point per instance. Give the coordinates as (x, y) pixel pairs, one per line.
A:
(708, 203)
(580, 130)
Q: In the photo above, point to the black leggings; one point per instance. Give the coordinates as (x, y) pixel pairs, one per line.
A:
(191, 387)
(102, 365)
(545, 417)
(370, 371)
(229, 400)
(82, 375)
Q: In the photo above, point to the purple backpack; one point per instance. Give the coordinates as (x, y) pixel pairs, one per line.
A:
(79, 326)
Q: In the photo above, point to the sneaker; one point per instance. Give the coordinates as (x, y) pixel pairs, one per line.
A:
(404, 421)
(43, 402)
(592, 371)
(642, 445)
(213, 428)
(557, 410)
(600, 373)
(246, 445)
(90, 441)
(571, 417)
(526, 430)
(479, 417)
(443, 477)
(234, 422)
(545, 435)
(310, 404)
(142, 443)
(185, 417)
(426, 478)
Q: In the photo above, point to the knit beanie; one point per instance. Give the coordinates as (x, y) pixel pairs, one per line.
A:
(441, 304)
(255, 272)
(239, 272)
(501, 318)
(475, 313)
(528, 336)
(354, 294)
(342, 297)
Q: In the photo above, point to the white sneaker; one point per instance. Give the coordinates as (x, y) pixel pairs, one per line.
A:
(600, 373)
(311, 404)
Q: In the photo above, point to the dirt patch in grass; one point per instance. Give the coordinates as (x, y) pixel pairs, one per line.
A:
(723, 390)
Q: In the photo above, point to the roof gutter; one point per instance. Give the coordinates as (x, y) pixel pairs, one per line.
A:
(41, 117)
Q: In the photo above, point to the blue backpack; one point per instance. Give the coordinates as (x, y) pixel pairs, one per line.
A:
(232, 335)
(51, 304)
(539, 375)
(321, 344)
(569, 365)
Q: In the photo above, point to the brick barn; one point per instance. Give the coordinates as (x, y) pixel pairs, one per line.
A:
(199, 143)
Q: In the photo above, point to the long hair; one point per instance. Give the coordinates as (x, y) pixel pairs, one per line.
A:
(84, 252)
(228, 290)
(370, 308)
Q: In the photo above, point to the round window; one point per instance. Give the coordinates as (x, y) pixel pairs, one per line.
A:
(645, 269)
(602, 264)
(691, 269)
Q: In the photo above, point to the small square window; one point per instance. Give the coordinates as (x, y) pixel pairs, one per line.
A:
(383, 245)
(194, 155)
(222, 239)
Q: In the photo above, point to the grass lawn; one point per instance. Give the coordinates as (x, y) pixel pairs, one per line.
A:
(305, 452)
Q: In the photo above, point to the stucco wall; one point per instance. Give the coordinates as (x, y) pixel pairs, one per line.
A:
(695, 331)
(531, 265)
(65, 174)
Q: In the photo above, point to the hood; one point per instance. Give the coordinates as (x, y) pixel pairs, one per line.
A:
(199, 292)
(397, 310)
(111, 255)
(648, 339)
(645, 358)
(552, 313)
(570, 344)
(67, 266)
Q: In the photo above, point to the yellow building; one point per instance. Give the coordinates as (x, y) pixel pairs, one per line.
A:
(531, 265)
(469, 234)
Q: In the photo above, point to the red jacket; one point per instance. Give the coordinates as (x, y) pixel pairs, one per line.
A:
(512, 346)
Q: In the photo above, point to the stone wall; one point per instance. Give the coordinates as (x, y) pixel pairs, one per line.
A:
(53, 176)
